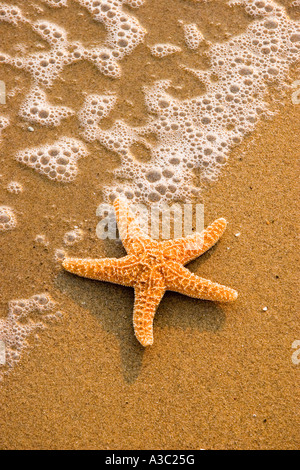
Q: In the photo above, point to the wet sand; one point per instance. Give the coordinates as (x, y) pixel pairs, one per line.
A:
(217, 376)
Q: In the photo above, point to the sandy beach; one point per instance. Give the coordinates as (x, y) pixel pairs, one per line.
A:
(219, 376)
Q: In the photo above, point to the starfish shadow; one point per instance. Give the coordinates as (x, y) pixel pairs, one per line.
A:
(181, 312)
(113, 306)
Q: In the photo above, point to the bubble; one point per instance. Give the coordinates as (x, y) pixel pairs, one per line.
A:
(246, 71)
(59, 255)
(271, 24)
(168, 173)
(164, 50)
(72, 237)
(234, 89)
(37, 109)
(273, 71)
(154, 197)
(25, 318)
(50, 160)
(4, 123)
(192, 36)
(45, 68)
(41, 240)
(163, 104)
(11, 14)
(230, 108)
(295, 37)
(14, 187)
(153, 175)
(56, 3)
(95, 108)
(8, 220)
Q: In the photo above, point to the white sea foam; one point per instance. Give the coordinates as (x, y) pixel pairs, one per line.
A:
(134, 3)
(192, 134)
(4, 123)
(37, 109)
(21, 323)
(57, 161)
(124, 30)
(44, 67)
(11, 14)
(59, 255)
(199, 133)
(124, 33)
(192, 36)
(8, 219)
(56, 3)
(14, 187)
(95, 108)
(73, 236)
(163, 50)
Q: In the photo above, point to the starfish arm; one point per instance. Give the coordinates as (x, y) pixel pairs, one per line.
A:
(180, 279)
(134, 239)
(118, 271)
(186, 249)
(146, 301)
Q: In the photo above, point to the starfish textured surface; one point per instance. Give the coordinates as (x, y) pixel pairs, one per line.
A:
(152, 267)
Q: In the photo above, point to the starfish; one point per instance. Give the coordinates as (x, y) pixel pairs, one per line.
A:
(152, 267)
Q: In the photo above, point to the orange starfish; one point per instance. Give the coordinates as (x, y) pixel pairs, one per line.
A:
(152, 267)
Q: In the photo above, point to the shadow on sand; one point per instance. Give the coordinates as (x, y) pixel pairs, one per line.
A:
(113, 306)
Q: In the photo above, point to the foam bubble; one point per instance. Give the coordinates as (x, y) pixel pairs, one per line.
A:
(37, 109)
(95, 108)
(11, 14)
(50, 32)
(41, 240)
(195, 134)
(124, 33)
(8, 219)
(134, 3)
(192, 36)
(57, 161)
(4, 123)
(44, 67)
(56, 3)
(102, 57)
(20, 325)
(73, 236)
(198, 133)
(14, 187)
(163, 50)
(59, 255)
